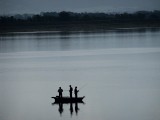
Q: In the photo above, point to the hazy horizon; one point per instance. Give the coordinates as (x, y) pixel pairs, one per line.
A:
(37, 6)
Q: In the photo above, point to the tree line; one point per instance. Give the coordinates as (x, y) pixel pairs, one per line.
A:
(65, 17)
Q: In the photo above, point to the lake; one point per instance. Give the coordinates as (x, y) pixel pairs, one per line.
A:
(118, 72)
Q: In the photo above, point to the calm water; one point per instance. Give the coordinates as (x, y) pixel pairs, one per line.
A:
(118, 72)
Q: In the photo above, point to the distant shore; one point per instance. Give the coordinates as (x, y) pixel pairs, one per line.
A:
(70, 21)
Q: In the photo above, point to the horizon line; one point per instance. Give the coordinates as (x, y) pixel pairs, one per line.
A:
(105, 12)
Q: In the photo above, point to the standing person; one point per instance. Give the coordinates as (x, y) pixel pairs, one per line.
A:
(60, 90)
(76, 92)
(70, 91)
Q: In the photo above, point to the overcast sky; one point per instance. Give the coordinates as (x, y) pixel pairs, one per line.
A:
(37, 6)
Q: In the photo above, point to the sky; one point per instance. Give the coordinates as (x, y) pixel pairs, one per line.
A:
(37, 6)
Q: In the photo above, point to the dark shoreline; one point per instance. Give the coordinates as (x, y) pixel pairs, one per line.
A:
(75, 27)
(70, 21)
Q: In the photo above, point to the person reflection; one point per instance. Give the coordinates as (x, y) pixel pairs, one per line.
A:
(76, 108)
(71, 108)
(60, 108)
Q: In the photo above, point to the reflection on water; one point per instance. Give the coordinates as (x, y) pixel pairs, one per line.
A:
(71, 108)
(57, 41)
(60, 108)
(76, 108)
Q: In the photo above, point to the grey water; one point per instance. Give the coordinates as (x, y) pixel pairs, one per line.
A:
(117, 71)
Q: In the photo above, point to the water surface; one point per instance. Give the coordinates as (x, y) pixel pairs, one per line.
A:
(118, 72)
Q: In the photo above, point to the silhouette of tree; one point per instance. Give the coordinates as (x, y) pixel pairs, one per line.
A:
(94, 19)
(64, 16)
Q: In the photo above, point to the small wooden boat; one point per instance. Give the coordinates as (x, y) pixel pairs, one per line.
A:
(68, 99)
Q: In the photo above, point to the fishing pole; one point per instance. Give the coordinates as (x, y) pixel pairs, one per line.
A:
(80, 87)
(83, 86)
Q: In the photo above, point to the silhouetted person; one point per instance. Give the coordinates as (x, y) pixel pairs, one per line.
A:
(60, 108)
(76, 108)
(60, 92)
(71, 108)
(76, 92)
(70, 91)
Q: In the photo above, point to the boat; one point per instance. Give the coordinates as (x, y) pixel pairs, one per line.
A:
(68, 99)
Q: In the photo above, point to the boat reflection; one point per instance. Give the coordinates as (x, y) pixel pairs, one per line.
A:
(75, 104)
